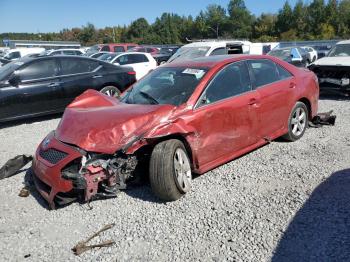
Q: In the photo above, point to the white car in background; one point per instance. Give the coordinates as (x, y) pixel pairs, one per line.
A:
(17, 53)
(312, 52)
(141, 63)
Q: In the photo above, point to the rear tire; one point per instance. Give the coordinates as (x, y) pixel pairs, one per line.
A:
(297, 122)
(111, 91)
(170, 170)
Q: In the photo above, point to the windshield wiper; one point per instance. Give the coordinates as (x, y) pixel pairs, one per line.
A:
(149, 97)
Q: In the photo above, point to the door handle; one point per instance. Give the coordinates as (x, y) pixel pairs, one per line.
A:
(97, 76)
(54, 84)
(252, 101)
(292, 85)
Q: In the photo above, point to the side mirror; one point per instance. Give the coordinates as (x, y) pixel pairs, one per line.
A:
(14, 80)
(116, 63)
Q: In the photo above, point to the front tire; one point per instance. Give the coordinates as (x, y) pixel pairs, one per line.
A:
(170, 170)
(111, 91)
(297, 122)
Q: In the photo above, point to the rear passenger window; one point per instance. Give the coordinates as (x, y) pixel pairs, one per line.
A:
(264, 71)
(231, 81)
(76, 66)
(283, 73)
(118, 49)
(130, 47)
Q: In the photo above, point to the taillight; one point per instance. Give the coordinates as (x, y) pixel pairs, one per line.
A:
(132, 73)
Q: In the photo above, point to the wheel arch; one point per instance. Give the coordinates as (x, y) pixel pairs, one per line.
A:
(307, 102)
(110, 84)
(184, 141)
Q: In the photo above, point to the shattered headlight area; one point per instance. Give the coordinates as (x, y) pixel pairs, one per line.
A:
(97, 176)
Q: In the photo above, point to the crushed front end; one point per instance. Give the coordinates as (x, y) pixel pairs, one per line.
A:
(334, 79)
(64, 173)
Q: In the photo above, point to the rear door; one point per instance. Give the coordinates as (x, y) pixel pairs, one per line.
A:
(77, 74)
(275, 86)
(226, 114)
(37, 91)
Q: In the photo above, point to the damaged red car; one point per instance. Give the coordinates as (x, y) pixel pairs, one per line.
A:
(181, 119)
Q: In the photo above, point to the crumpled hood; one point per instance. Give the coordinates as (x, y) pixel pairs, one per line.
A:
(97, 123)
(333, 61)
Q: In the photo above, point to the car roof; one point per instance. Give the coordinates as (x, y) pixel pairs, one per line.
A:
(212, 61)
(345, 42)
(216, 43)
(119, 44)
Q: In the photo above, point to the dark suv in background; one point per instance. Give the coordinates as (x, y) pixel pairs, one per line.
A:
(43, 85)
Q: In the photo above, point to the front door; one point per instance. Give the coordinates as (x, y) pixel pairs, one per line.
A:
(225, 116)
(36, 91)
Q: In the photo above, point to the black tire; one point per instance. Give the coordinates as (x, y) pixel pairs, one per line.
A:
(112, 91)
(292, 135)
(162, 173)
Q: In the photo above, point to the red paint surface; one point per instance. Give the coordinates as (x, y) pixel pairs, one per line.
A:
(215, 133)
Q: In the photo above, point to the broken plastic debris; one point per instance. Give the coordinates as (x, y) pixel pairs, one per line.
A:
(13, 165)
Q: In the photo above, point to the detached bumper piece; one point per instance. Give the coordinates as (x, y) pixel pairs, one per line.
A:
(323, 119)
(14, 165)
(64, 173)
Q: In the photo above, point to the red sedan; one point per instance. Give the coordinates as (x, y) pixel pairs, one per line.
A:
(180, 119)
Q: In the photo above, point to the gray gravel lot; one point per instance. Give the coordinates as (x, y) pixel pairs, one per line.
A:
(282, 202)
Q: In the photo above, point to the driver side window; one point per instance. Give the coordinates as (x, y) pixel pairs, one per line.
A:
(123, 60)
(231, 81)
(38, 69)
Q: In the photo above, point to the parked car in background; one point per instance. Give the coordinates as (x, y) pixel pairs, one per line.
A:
(93, 50)
(164, 54)
(141, 63)
(4, 61)
(145, 49)
(322, 50)
(17, 53)
(293, 55)
(3, 50)
(63, 52)
(312, 52)
(210, 48)
(47, 84)
(122, 47)
(180, 119)
(333, 70)
(98, 54)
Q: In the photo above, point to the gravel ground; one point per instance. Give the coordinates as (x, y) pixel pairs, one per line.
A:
(282, 202)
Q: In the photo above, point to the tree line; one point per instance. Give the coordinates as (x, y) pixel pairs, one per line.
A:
(317, 20)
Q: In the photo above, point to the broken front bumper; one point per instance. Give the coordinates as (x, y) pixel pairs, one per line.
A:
(334, 84)
(49, 160)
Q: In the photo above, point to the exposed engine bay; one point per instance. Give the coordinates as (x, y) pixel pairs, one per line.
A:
(100, 176)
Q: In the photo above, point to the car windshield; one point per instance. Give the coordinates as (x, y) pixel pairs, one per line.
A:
(187, 53)
(280, 53)
(108, 57)
(9, 68)
(165, 85)
(340, 50)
